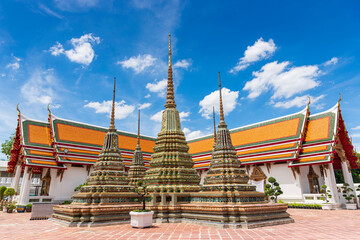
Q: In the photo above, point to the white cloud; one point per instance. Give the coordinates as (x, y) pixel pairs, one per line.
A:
(356, 135)
(212, 100)
(185, 64)
(192, 134)
(147, 96)
(158, 87)
(332, 61)
(15, 65)
(48, 11)
(356, 128)
(39, 88)
(144, 105)
(284, 81)
(184, 115)
(299, 102)
(122, 110)
(82, 51)
(259, 51)
(157, 117)
(76, 5)
(57, 49)
(139, 63)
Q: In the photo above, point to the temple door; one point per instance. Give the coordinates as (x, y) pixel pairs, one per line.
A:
(258, 178)
(45, 184)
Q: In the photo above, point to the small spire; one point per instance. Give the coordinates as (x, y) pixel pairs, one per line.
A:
(222, 120)
(138, 132)
(309, 102)
(170, 103)
(339, 99)
(48, 108)
(214, 126)
(112, 120)
(17, 108)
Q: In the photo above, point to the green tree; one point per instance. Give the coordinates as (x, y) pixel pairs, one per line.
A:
(326, 193)
(9, 192)
(140, 189)
(273, 189)
(7, 145)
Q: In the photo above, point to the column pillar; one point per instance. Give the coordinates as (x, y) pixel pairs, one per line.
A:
(25, 187)
(330, 182)
(348, 178)
(16, 179)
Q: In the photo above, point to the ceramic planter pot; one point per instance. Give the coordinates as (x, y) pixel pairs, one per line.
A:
(9, 210)
(141, 219)
(350, 206)
(327, 206)
(28, 209)
(20, 209)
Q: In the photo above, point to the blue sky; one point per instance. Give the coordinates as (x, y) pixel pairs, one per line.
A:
(272, 55)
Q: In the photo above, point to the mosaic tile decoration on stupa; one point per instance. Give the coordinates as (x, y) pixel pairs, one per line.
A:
(80, 143)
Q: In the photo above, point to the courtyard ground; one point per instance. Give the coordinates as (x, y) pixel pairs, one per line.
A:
(309, 224)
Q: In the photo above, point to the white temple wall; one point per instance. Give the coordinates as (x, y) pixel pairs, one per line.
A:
(73, 177)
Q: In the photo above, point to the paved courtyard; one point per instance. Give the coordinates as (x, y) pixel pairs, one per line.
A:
(309, 224)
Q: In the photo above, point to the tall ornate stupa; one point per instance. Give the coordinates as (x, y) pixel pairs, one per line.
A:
(225, 173)
(171, 164)
(137, 168)
(107, 197)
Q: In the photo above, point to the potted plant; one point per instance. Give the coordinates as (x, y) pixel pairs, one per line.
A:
(20, 208)
(326, 194)
(272, 189)
(349, 196)
(28, 207)
(141, 218)
(10, 208)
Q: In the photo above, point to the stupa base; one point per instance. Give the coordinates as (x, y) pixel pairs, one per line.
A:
(92, 215)
(224, 216)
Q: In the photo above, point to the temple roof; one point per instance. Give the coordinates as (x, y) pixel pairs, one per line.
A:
(299, 139)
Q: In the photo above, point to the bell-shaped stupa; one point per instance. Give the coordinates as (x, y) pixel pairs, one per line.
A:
(137, 167)
(171, 164)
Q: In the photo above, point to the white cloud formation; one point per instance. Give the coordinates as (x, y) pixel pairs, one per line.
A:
(192, 134)
(147, 96)
(158, 87)
(356, 128)
(39, 88)
(299, 102)
(82, 51)
(285, 81)
(122, 110)
(332, 61)
(76, 5)
(185, 64)
(57, 49)
(139, 63)
(184, 115)
(157, 117)
(144, 105)
(259, 51)
(212, 100)
(48, 11)
(15, 65)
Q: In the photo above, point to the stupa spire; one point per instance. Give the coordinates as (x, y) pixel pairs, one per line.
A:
(112, 120)
(138, 132)
(222, 119)
(170, 103)
(214, 126)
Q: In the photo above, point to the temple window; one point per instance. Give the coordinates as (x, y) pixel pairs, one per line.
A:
(313, 181)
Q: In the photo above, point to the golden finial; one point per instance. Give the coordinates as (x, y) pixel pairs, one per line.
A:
(339, 99)
(214, 126)
(17, 108)
(138, 132)
(170, 103)
(112, 120)
(222, 120)
(48, 108)
(170, 63)
(309, 101)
